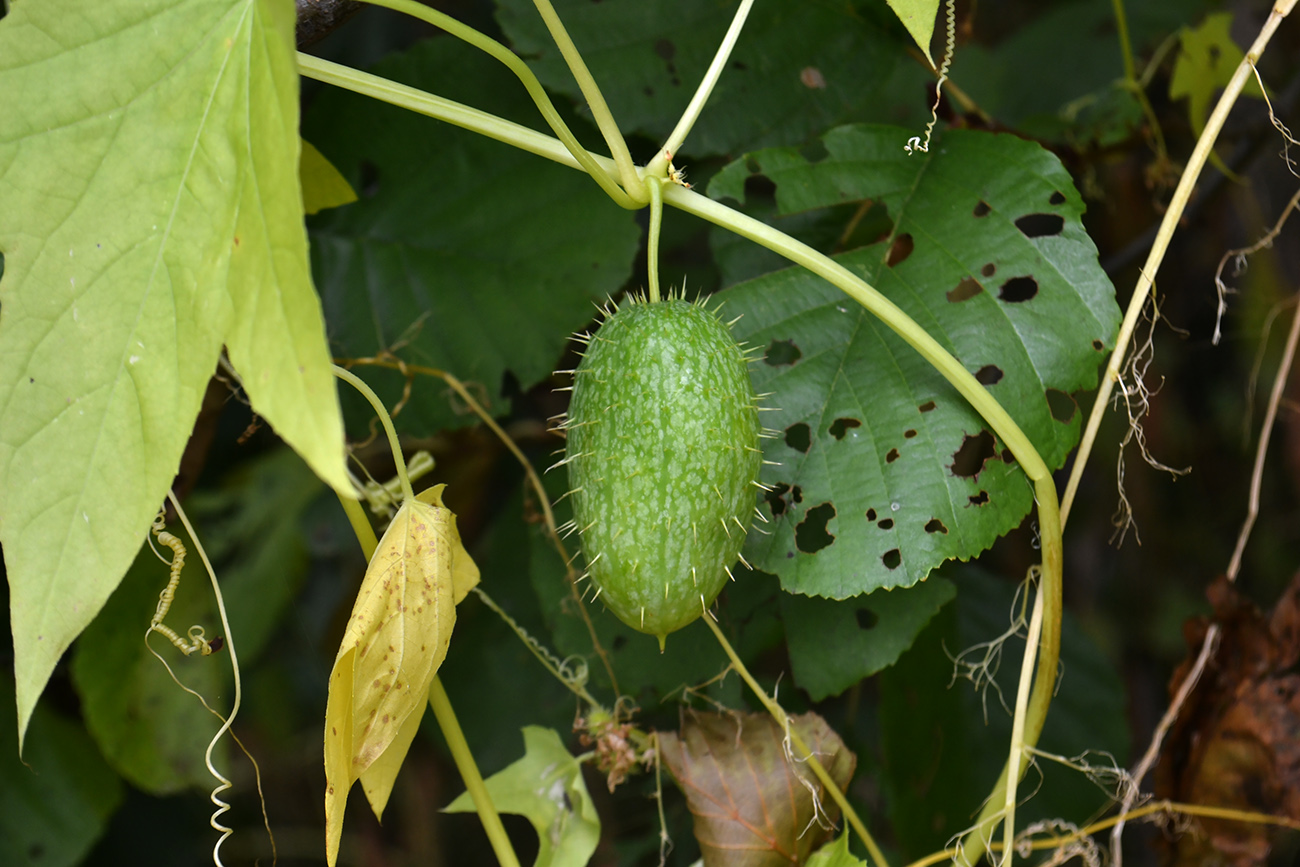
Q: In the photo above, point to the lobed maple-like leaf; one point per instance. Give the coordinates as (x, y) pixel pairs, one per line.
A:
(152, 214)
(545, 787)
(752, 803)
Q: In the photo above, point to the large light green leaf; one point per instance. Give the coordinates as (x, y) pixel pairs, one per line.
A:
(798, 68)
(152, 213)
(883, 470)
(56, 802)
(546, 787)
(463, 254)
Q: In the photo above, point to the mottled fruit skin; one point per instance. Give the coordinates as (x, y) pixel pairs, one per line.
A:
(663, 459)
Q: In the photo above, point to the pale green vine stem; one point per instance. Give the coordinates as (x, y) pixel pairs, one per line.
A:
(525, 75)
(655, 189)
(361, 527)
(804, 754)
(658, 165)
(1015, 761)
(438, 699)
(1049, 656)
(393, 443)
(600, 113)
(228, 721)
(1174, 213)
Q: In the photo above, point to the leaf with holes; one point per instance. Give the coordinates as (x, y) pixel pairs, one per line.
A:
(883, 469)
(746, 794)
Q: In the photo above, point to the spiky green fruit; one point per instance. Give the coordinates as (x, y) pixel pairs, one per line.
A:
(663, 459)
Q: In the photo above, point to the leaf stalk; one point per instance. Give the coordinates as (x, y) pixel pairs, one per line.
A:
(627, 170)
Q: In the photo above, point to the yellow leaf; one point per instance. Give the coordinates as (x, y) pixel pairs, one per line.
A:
(464, 571)
(395, 640)
(377, 780)
(322, 184)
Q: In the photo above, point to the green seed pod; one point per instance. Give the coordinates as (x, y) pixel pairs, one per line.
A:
(663, 460)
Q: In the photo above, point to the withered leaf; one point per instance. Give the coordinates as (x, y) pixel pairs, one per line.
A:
(752, 805)
(395, 640)
(1234, 743)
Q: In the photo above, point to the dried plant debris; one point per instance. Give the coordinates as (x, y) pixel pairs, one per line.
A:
(753, 803)
(1235, 744)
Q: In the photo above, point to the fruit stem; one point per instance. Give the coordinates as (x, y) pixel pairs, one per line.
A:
(652, 243)
(495, 49)
(600, 112)
(658, 166)
(393, 443)
(804, 754)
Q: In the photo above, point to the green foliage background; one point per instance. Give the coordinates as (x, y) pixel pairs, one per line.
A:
(466, 255)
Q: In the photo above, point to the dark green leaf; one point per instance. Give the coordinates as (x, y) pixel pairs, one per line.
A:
(463, 254)
(1006, 80)
(884, 470)
(834, 644)
(798, 68)
(57, 799)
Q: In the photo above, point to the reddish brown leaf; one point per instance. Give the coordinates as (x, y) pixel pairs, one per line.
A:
(1234, 744)
(750, 802)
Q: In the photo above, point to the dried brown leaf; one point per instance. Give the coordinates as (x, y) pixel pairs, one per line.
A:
(1234, 744)
(753, 804)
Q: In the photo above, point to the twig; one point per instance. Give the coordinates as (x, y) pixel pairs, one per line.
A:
(1238, 259)
(1157, 741)
(1257, 475)
(1234, 565)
